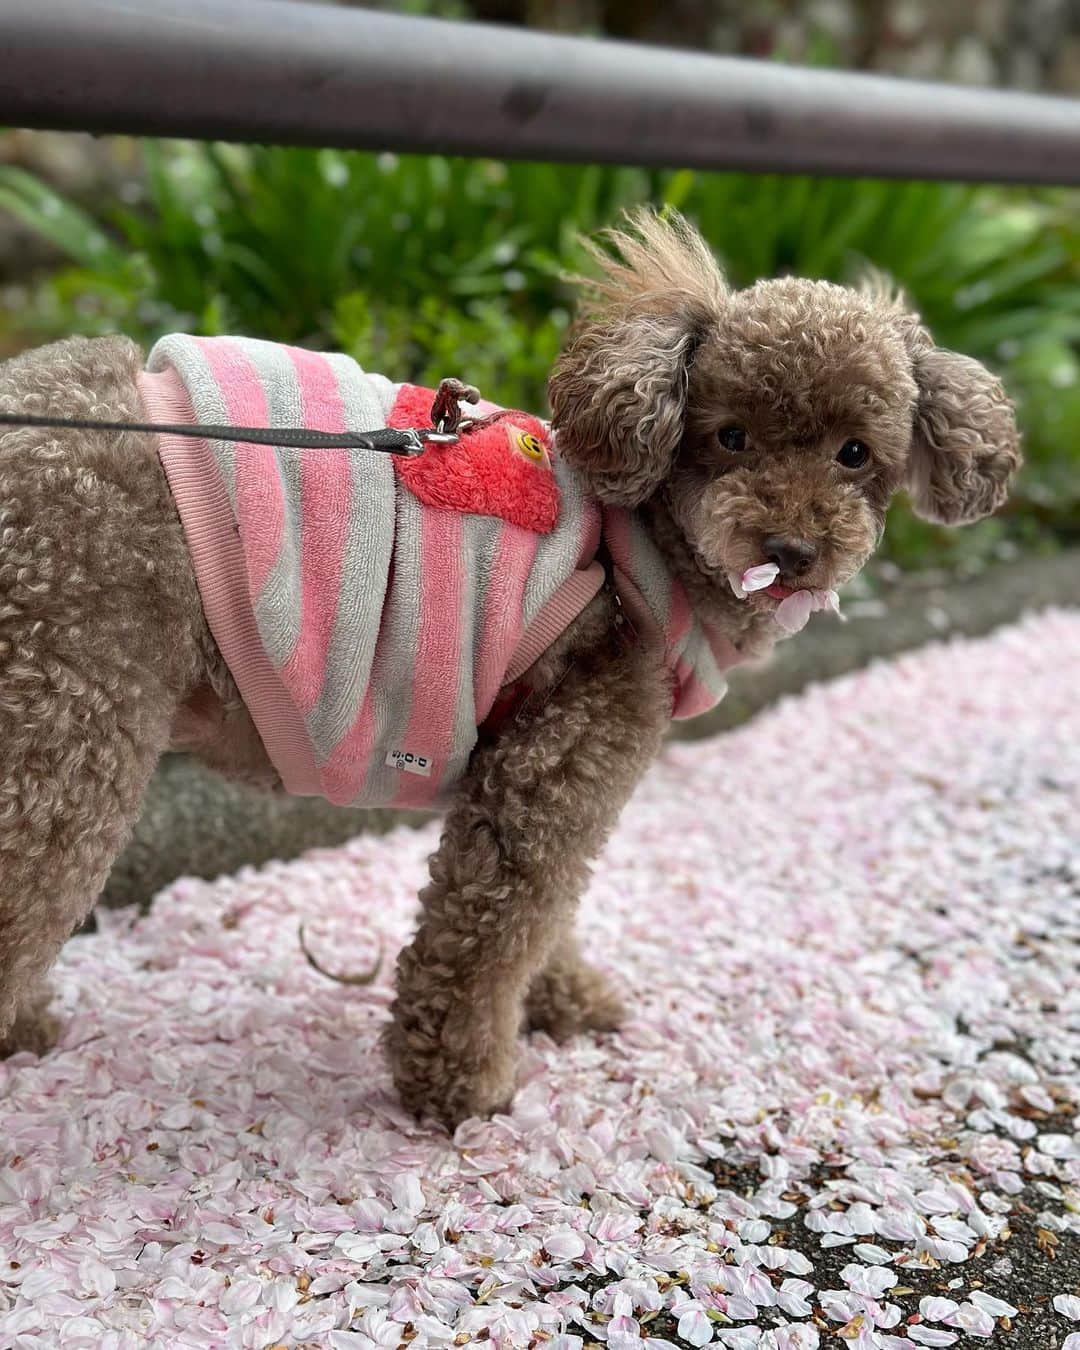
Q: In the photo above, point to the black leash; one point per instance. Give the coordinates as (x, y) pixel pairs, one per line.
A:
(448, 425)
(390, 440)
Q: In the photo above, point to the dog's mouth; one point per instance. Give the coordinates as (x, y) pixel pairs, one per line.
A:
(760, 585)
(766, 597)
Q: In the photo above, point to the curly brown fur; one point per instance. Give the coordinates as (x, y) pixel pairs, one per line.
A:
(101, 633)
(105, 656)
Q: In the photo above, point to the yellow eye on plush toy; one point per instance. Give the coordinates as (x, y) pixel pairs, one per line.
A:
(525, 443)
(528, 444)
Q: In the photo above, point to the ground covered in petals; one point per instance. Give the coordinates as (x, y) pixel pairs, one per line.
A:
(843, 1111)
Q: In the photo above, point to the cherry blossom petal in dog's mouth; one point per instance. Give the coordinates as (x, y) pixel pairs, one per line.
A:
(795, 608)
(843, 1109)
(793, 612)
(759, 577)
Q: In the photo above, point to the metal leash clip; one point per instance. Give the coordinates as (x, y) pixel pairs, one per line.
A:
(415, 440)
(439, 436)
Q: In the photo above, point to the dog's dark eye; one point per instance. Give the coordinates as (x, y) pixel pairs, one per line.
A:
(853, 454)
(732, 438)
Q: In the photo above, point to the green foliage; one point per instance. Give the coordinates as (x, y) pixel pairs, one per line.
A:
(423, 267)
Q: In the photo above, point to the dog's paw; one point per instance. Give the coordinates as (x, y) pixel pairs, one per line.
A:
(35, 1028)
(567, 1000)
(450, 1078)
(452, 1097)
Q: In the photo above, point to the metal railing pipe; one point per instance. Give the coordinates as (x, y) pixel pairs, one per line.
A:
(273, 71)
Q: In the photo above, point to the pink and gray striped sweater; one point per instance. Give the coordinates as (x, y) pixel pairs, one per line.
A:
(371, 608)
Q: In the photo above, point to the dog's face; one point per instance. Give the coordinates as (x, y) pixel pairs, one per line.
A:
(776, 422)
(797, 429)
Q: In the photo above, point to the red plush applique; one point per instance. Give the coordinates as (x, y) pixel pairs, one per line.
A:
(502, 468)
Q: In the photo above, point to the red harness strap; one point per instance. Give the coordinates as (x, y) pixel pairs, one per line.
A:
(509, 703)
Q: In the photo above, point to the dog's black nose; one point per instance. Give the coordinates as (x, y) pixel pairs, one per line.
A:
(795, 557)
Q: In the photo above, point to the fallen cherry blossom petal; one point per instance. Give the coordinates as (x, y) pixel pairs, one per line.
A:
(996, 1307)
(739, 1338)
(874, 1255)
(936, 1309)
(695, 1327)
(975, 1321)
(797, 1337)
(923, 1335)
(1068, 1305)
(872, 1281)
(564, 1245)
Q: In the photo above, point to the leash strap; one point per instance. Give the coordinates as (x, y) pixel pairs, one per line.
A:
(449, 424)
(406, 441)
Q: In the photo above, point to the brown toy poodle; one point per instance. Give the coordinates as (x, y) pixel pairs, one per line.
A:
(732, 427)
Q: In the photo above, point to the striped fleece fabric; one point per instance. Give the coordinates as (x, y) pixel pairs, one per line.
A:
(369, 609)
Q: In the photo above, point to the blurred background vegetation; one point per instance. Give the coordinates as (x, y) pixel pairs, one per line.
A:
(423, 266)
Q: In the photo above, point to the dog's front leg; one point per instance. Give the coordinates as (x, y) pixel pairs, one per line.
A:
(532, 812)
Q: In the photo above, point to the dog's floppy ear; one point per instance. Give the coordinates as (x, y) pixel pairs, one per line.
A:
(618, 394)
(965, 447)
